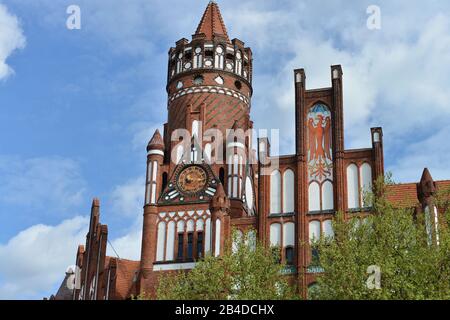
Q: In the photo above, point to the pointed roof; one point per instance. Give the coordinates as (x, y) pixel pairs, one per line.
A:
(212, 23)
(156, 142)
(426, 184)
(220, 199)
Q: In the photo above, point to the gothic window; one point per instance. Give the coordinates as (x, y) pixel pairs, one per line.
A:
(180, 246)
(161, 241)
(238, 68)
(352, 186)
(275, 234)
(180, 62)
(154, 176)
(170, 249)
(327, 196)
(148, 184)
(288, 191)
(235, 176)
(198, 59)
(289, 255)
(208, 235)
(199, 244)
(359, 184)
(282, 235)
(314, 230)
(314, 196)
(320, 158)
(190, 243)
(217, 240)
(219, 58)
(327, 228)
(237, 240)
(275, 192)
(366, 184)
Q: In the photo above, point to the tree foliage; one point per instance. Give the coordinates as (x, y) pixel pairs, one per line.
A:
(396, 241)
(247, 270)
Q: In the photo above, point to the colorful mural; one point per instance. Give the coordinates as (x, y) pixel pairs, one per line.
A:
(320, 162)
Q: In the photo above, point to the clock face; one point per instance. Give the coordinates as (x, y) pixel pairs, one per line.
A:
(192, 179)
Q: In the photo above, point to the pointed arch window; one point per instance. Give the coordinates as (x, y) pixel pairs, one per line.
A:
(288, 191)
(219, 57)
(275, 192)
(198, 58)
(238, 64)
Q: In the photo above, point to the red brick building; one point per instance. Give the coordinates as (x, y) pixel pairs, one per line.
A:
(193, 199)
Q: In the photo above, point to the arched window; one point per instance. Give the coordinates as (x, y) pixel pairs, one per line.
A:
(161, 241)
(275, 192)
(170, 249)
(288, 234)
(208, 235)
(237, 240)
(327, 196)
(217, 240)
(327, 228)
(238, 63)
(288, 191)
(366, 183)
(314, 196)
(289, 255)
(251, 240)
(219, 57)
(180, 62)
(198, 59)
(275, 234)
(352, 187)
(314, 231)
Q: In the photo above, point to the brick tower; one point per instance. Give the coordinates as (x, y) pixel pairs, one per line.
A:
(200, 181)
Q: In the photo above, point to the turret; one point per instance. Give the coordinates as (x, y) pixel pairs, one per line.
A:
(155, 157)
(220, 220)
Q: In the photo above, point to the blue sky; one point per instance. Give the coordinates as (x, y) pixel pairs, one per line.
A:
(77, 107)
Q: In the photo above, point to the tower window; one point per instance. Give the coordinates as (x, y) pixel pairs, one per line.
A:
(199, 245)
(289, 255)
(190, 243)
(198, 80)
(180, 246)
(238, 85)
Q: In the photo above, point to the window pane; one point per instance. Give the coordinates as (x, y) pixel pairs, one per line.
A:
(199, 244)
(189, 247)
(180, 246)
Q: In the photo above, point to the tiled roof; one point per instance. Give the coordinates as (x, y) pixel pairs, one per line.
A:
(125, 273)
(212, 22)
(402, 195)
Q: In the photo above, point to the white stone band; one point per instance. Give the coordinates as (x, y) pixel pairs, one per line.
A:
(156, 151)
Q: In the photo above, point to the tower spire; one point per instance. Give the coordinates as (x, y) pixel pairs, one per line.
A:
(212, 24)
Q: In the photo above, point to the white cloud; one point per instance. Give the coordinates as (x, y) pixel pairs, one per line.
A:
(128, 199)
(53, 183)
(32, 263)
(11, 39)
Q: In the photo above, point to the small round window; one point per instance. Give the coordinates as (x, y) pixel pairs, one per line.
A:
(198, 80)
(238, 85)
